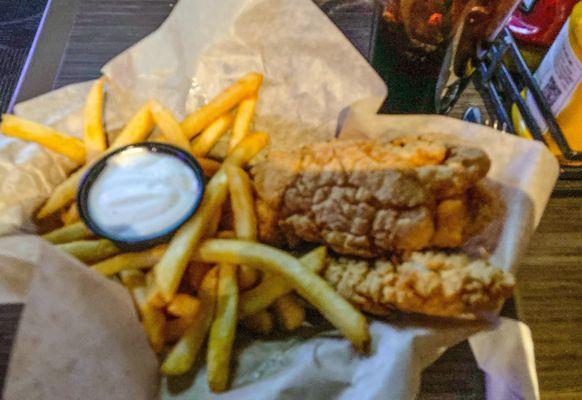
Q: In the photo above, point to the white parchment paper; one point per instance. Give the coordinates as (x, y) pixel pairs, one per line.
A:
(312, 73)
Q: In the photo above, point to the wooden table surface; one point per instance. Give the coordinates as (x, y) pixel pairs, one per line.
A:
(549, 296)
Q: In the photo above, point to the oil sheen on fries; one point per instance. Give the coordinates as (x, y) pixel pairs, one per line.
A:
(184, 353)
(309, 285)
(93, 131)
(223, 329)
(196, 121)
(58, 142)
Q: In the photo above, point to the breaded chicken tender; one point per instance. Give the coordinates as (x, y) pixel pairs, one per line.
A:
(430, 283)
(369, 198)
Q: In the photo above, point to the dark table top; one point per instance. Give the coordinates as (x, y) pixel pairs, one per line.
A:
(81, 35)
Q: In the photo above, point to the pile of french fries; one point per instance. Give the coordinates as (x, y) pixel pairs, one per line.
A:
(206, 280)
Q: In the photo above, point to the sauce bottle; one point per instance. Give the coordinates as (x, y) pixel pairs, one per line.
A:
(559, 77)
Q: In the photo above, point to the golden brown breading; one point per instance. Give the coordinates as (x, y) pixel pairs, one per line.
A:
(368, 198)
(429, 283)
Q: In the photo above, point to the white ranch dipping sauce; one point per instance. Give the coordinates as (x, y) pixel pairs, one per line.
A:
(141, 193)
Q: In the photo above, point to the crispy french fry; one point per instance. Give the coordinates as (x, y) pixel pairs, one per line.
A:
(223, 329)
(242, 202)
(63, 194)
(196, 121)
(132, 278)
(93, 131)
(153, 319)
(245, 221)
(69, 233)
(170, 269)
(136, 130)
(248, 148)
(226, 235)
(289, 312)
(208, 165)
(243, 120)
(90, 251)
(169, 126)
(202, 144)
(274, 286)
(58, 142)
(184, 353)
(261, 322)
(183, 305)
(309, 285)
(128, 261)
(71, 215)
(196, 273)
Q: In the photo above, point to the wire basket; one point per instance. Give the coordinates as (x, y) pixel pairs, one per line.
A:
(502, 89)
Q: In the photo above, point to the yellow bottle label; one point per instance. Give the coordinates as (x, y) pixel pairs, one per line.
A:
(559, 77)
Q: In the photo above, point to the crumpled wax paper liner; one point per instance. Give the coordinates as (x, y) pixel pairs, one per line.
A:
(75, 322)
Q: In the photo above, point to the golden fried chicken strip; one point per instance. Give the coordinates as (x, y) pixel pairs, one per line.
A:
(368, 198)
(431, 283)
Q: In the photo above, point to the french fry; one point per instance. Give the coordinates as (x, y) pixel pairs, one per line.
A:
(183, 305)
(242, 202)
(136, 130)
(196, 273)
(58, 142)
(289, 312)
(170, 269)
(153, 296)
(309, 285)
(153, 319)
(71, 215)
(261, 322)
(245, 220)
(90, 251)
(69, 233)
(93, 131)
(208, 165)
(184, 353)
(132, 278)
(169, 126)
(223, 329)
(248, 148)
(243, 120)
(128, 261)
(202, 144)
(274, 286)
(196, 121)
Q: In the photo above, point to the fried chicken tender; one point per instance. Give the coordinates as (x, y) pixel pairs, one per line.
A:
(367, 198)
(430, 283)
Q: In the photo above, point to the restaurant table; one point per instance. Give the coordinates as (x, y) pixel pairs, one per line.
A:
(79, 36)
